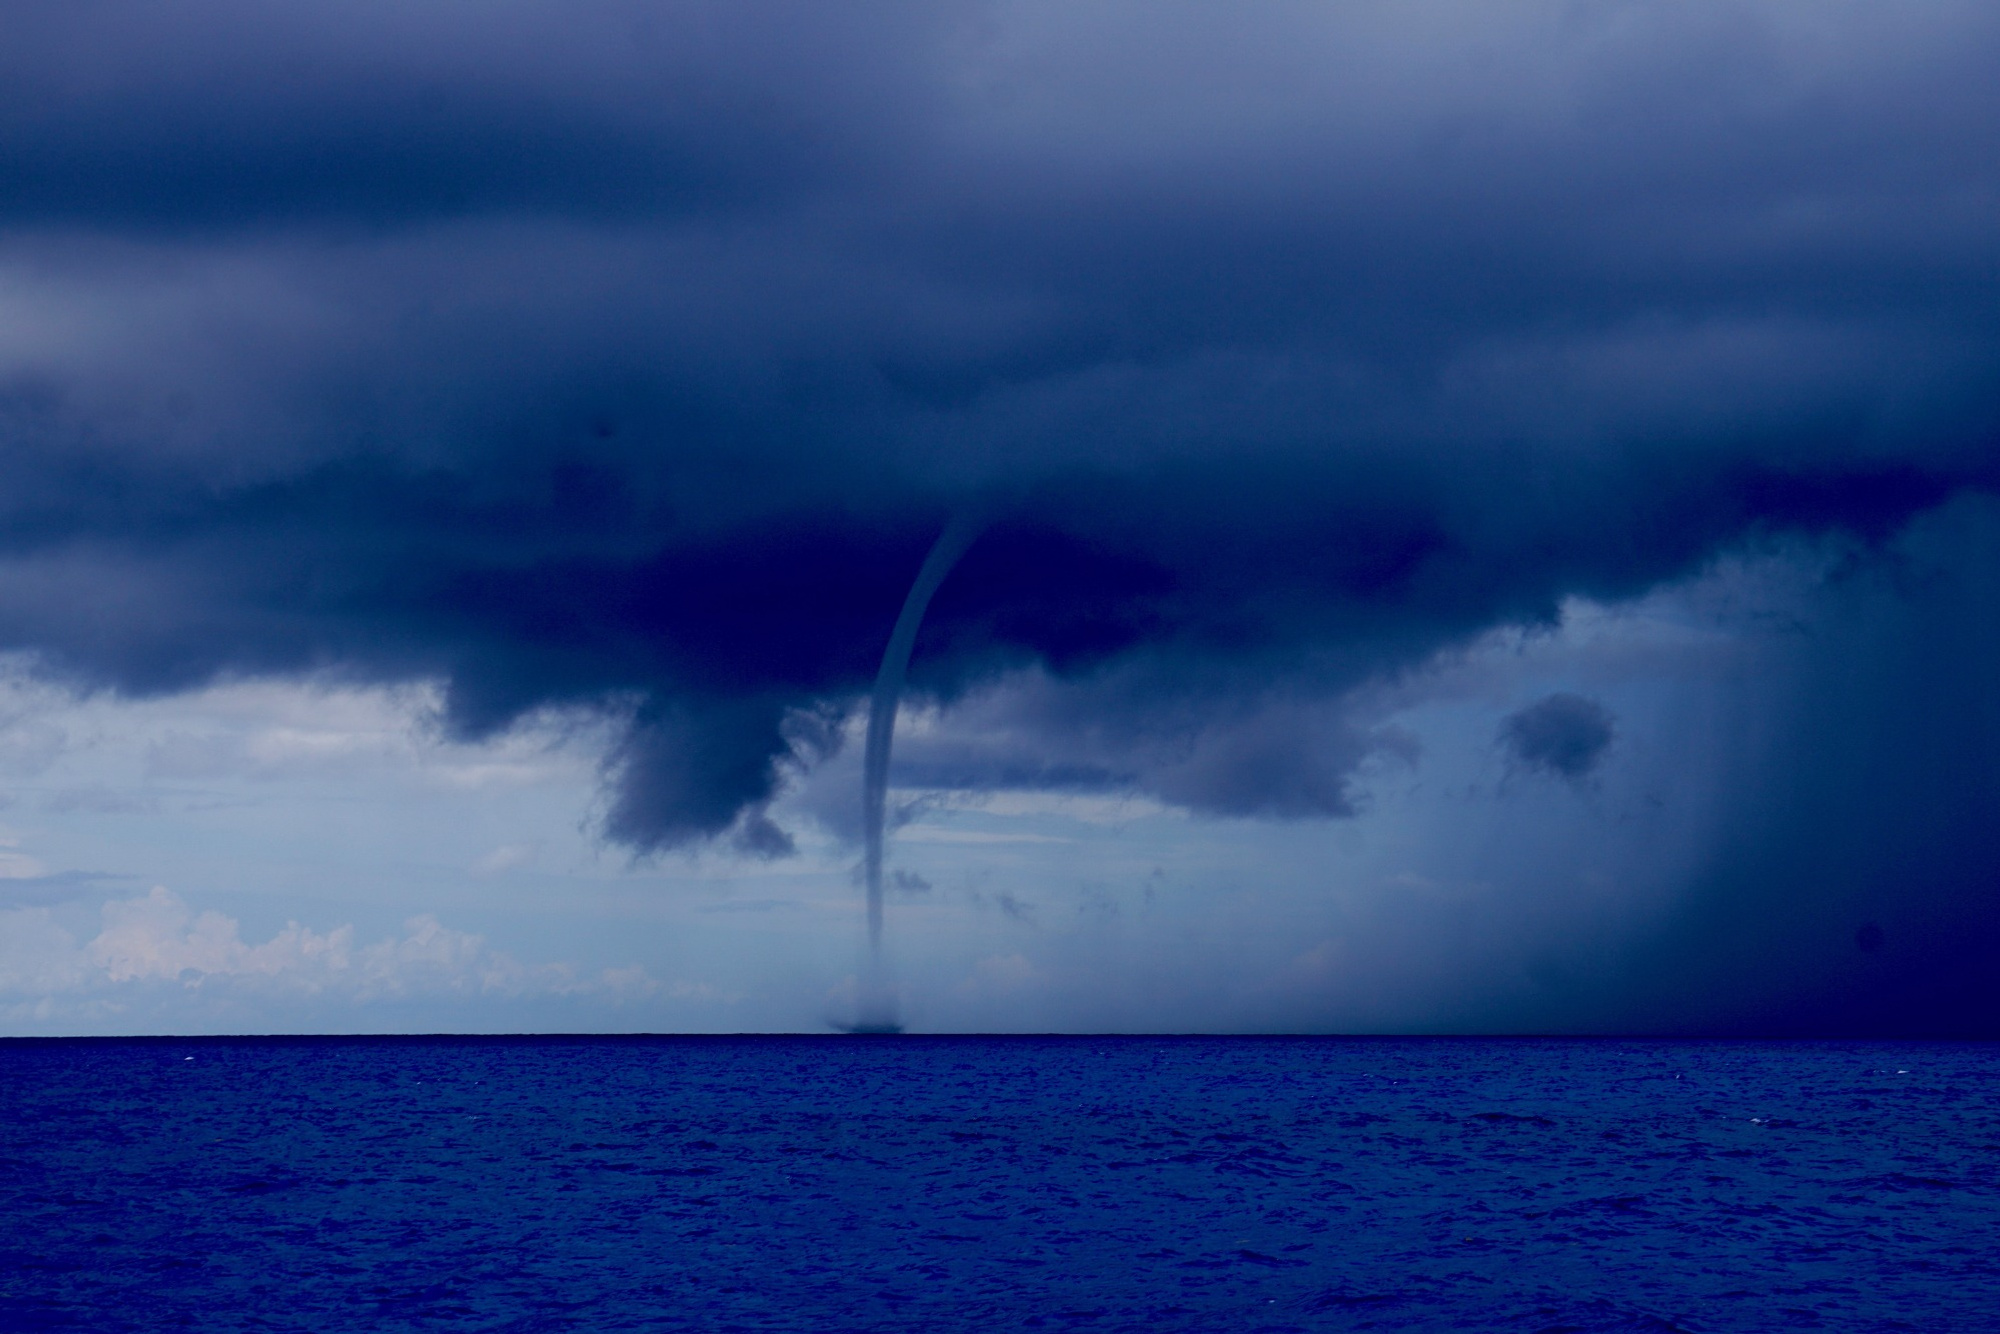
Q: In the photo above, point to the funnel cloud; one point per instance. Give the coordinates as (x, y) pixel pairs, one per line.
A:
(944, 553)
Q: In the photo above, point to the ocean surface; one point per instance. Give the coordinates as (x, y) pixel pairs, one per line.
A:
(856, 1183)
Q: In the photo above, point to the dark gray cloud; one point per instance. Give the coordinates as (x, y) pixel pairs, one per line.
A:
(1229, 747)
(1563, 734)
(632, 358)
(229, 116)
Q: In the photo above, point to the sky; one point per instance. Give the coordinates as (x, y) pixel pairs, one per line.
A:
(1486, 517)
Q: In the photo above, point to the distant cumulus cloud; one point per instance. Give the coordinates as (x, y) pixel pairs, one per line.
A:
(17, 866)
(158, 938)
(507, 857)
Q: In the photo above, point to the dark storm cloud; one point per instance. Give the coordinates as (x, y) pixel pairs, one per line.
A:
(632, 357)
(221, 116)
(1564, 734)
(1225, 748)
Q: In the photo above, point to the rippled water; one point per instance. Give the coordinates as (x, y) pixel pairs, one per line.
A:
(959, 1183)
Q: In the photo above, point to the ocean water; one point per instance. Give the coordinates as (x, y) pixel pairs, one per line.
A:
(976, 1184)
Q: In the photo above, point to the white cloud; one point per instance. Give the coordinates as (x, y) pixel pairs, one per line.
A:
(507, 857)
(158, 938)
(16, 865)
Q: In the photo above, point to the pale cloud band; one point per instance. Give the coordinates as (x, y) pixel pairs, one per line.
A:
(158, 938)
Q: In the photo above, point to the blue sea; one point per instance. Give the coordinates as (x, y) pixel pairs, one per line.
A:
(910, 1183)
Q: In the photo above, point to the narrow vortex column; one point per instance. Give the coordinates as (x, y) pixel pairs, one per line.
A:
(944, 553)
